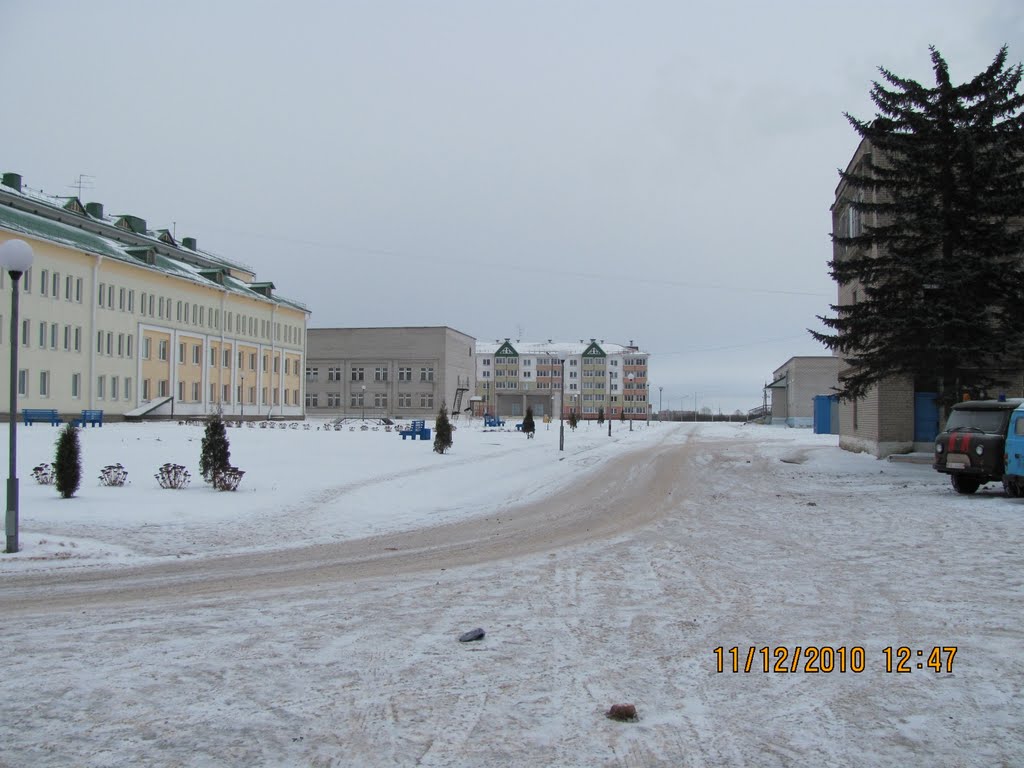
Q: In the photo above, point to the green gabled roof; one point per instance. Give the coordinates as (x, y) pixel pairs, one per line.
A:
(506, 350)
(75, 206)
(594, 350)
(132, 224)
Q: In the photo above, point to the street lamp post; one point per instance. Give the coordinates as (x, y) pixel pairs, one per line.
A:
(561, 409)
(241, 398)
(362, 400)
(659, 403)
(16, 258)
(647, 404)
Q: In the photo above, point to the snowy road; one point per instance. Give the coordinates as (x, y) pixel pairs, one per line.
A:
(631, 491)
(616, 590)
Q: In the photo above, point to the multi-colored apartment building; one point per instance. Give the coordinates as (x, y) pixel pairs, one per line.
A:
(558, 378)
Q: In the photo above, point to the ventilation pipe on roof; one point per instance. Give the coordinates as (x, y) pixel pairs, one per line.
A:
(12, 180)
(95, 210)
(188, 242)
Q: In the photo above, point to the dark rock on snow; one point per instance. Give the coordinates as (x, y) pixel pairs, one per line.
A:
(625, 712)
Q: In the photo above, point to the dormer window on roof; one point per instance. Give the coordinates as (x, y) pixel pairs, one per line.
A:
(263, 288)
(147, 255)
(131, 224)
(75, 206)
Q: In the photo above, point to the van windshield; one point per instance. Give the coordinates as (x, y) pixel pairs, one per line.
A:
(963, 420)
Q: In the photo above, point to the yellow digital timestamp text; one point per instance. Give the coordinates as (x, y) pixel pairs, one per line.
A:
(816, 659)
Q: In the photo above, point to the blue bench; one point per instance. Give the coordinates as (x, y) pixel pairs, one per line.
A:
(493, 421)
(417, 429)
(31, 415)
(92, 418)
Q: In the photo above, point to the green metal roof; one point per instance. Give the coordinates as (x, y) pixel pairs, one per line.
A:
(53, 231)
(42, 228)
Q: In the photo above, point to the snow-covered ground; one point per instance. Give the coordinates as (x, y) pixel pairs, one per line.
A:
(312, 618)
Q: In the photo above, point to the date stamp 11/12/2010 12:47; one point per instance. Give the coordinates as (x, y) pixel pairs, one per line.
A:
(825, 659)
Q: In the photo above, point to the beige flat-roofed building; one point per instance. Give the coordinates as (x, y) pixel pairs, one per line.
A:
(794, 385)
(396, 373)
(130, 321)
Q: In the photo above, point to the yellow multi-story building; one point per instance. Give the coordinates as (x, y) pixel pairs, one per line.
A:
(117, 317)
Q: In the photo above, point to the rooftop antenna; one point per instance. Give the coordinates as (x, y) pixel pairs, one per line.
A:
(85, 181)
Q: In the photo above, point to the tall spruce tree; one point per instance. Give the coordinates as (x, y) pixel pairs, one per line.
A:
(67, 463)
(442, 431)
(216, 453)
(937, 256)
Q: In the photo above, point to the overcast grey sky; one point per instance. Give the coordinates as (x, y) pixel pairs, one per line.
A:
(654, 171)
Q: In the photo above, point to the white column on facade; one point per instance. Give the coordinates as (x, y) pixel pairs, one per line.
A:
(224, 339)
(172, 355)
(92, 335)
(280, 367)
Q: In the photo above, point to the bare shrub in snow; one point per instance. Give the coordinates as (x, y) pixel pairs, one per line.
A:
(173, 476)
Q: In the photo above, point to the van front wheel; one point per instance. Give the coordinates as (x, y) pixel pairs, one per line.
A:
(964, 484)
(1011, 488)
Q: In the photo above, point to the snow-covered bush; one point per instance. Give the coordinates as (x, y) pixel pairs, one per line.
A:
(227, 478)
(173, 476)
(114, 475)
(44, 474)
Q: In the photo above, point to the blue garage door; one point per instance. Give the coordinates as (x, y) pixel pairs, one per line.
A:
(926, 417)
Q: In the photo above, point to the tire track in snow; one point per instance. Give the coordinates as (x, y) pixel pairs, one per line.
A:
(631, 490)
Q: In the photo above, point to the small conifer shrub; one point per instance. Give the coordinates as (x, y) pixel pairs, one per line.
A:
(529, 427)
(442, 432)
(216, 453)
(67, 464)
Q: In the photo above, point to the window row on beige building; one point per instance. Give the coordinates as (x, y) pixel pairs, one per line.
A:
(387, 373)
(114, 316)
